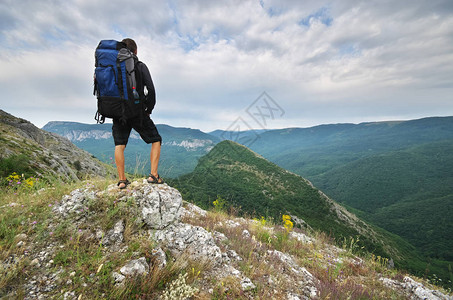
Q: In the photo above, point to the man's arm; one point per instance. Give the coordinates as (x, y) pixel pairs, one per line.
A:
(150, 100)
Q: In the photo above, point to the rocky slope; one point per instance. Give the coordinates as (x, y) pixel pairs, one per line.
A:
(46, 153)
(146, 242)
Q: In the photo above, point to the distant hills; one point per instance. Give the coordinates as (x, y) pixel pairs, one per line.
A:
(398, 175)
(181, 147)
(315, 150)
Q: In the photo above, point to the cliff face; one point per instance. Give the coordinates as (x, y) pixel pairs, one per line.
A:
(46, 153)
(146, 242)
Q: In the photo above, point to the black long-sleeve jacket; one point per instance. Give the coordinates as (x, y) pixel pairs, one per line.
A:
(144, 80)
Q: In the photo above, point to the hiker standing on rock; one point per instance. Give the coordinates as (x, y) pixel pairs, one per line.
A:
(142, 124)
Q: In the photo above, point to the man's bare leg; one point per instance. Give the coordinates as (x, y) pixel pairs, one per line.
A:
(154, 158)
(119, 160)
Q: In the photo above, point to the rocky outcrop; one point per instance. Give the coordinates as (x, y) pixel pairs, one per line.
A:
(414, 290)
(159, 207)
(193, 241)
(48, 153)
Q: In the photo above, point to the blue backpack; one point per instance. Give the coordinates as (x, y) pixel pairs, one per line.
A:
(115, 82)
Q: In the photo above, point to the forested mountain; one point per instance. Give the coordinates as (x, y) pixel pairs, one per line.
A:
(397, 175)
(408, 192)
(257, 187)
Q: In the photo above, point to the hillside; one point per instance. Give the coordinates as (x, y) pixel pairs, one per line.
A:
(408, 192)
(257, 187)
(395, 174)
(181, 147)
(28, 150)
(90, 240)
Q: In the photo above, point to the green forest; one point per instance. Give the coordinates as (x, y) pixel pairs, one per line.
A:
(256, 187)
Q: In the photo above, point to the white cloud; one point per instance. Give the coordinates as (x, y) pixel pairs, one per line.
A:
(322, 61)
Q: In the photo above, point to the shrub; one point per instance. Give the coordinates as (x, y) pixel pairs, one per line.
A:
(15, 163)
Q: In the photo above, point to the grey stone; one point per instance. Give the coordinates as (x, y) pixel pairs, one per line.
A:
(219, 237)
(20, 237)
(160, 205)
(300, 237)
(191, 210)
(414, 290)
(115, 235)
(228, 270)
(135, 267)
(247, 284)
(75, 203)
(233, 255)
(232, 224)
(99, 234)
(118, 277)
(245, 233)
(192, 240)
(35, 262)
(69, 296)
(158, 258)
(308, 280)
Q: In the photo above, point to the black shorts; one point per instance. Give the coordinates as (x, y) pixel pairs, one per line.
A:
(147, 130)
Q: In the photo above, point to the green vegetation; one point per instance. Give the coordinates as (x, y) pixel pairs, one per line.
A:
(254, 186)
(397, 175)
(15, 163)
(408, 192)
(257, 187)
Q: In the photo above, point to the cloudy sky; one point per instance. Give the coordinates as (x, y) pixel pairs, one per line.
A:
(318, 61)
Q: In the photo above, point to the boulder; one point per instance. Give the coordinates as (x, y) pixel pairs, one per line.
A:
(160, 205)
(135, 267)
(195, 241)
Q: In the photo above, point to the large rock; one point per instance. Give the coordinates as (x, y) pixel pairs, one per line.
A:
(75, 203)
(160, 204)
(194, 241)
(135, 267)
(307, 279)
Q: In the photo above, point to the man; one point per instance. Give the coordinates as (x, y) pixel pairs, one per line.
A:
(142, 124)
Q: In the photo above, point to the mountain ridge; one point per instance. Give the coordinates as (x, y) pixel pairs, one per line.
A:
(28, 149)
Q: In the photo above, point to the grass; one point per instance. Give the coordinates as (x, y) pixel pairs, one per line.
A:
(85, 266)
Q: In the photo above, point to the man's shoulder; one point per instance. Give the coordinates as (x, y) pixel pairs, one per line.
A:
(141, 65)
